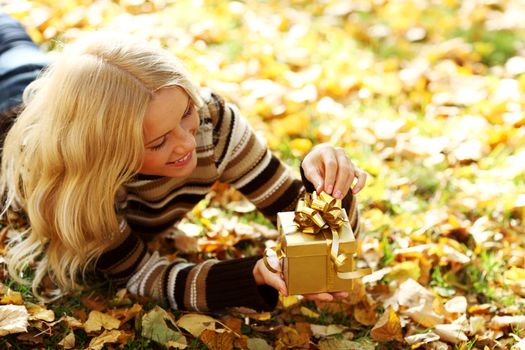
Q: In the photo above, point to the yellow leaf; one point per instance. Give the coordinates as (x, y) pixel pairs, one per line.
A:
(405, 270)
(11, 297)
(196, 323)
(97, 343)
(309, 313)
(68, 342)
(300, 146)
(365, 313)
(39, 312)
(515, 279)
(388, 327)
(288, 301)
(98, 320)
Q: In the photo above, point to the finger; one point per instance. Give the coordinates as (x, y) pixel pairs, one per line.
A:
(319, 296)
(330, 170)
(340, 295)
(314, 176)
(277, 282)
(345, 174)
(361, 180)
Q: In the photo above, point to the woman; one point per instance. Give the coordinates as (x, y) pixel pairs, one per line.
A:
(114, 145)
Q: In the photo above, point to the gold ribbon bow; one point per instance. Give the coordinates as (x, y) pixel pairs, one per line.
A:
(315, 214)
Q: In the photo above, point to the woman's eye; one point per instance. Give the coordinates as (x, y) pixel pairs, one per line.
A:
(159, 146)
(189, 111)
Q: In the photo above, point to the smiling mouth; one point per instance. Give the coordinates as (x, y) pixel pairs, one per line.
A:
(182, 160)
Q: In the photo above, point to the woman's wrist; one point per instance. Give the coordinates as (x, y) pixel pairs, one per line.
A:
(257, 275)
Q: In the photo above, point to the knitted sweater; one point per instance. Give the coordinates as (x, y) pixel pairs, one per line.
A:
(227, 151)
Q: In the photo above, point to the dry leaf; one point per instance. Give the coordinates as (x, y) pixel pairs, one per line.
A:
(344, 344)
(456, 305)
(258, 344)
(11, 297)
(424, 314)
(13, 319)
(217, 341)
(308, 313)
(196, 323)
(499, 322)
(291, 338)
(405, 270)
(39, 312)
(452, 333)
(98, 320)
(97, 343)
(422, 338)
(68, 342)
(156, 328)
(125, 314)
(324, 331)
(365, 313)
(515, 279)
(388, 327)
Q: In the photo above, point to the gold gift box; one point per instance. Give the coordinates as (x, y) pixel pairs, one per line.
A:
(307, 266)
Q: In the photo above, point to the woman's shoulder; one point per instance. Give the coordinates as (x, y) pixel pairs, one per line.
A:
(213, 108)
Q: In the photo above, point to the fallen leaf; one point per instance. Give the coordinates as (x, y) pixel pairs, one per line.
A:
(13, 319)
(125, 314)
(308, 313)
(515, 279)
(68, 342)
(217, 341)
(424, 314)
(405, 270)
(388, 327)
(39, 312)
(344, 344)
(156, 328)
(11, 297)
(98, 320)
(107, 336)
(288, 301)
(365, 313)
(291, 338)
(258, 344)
(196, 323)
(452, 333)
(499, 322)
(456, 305)
(422, 338)
(324, 331)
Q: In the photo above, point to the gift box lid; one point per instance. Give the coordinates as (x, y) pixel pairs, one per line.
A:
(296, 244)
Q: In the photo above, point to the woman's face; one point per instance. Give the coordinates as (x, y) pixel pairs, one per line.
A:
(170, 125)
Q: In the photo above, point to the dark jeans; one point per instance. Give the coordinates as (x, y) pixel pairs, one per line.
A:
(20, 63)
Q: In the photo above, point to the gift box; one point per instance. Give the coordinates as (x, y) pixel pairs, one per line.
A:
(308, 263)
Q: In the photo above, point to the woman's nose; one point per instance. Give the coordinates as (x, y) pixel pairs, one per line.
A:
(185, 142)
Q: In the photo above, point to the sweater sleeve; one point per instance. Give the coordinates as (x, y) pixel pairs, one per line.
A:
(244, 161)
(208, 286)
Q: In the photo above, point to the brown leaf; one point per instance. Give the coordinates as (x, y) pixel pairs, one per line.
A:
(125, 314)
(97, 343)
(291, 338)
(217, 341)
(93, 303)
(388, 327)
(233, 323)
(365, 313)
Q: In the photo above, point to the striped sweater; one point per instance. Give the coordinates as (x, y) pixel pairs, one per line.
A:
(227, 151)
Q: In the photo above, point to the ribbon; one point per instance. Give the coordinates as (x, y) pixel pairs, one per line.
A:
(322, 214)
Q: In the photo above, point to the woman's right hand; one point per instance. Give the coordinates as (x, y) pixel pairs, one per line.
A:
(264, 276)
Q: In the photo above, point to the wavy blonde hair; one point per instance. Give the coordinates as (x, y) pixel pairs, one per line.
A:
(79, 139)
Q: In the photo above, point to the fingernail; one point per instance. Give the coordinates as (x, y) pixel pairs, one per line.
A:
(329, 188)
(338, 195)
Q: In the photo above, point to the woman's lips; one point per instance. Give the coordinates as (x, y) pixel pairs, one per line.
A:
(182, 161)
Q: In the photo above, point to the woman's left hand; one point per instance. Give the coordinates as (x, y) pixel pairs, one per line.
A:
(329, 169)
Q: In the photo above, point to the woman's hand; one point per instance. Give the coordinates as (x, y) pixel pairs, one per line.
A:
(264, 276)
(330, 170)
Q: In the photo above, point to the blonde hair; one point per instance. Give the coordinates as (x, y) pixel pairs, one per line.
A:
(79, 139)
